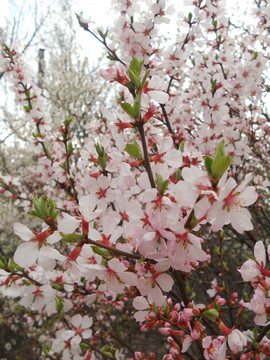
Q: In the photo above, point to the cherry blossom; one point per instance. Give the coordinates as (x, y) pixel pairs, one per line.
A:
(231, 205)
(28, 252)
(251, 269)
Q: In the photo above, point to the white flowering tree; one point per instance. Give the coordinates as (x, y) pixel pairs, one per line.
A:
(128, 215)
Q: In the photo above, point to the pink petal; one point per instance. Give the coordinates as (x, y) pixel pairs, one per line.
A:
(140, 303)
(140, 315)
(23, 232)
(248, 196)
(116, 265)
(159, 96)
(52, 239)
(222, 351)
(240, 219)
(87, 322)
(86, 334)
(26, 254)
(76, 320)
(249, 270)
(68, 224)
(94, 234)
(259, 253)
(128, 278)
(165, 281)
(156, 296)
(75, 341)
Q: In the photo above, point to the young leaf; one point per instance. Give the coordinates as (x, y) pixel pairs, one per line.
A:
(128, 109)
(212, 314)
(161, 184)
(136, 65)
(72, 238)
(220, 166)
(68, 121)
(145, 77)
(99, 149)
(100, 251)
(137, 106)
(134, 150)
(135, 78)
(208, 164)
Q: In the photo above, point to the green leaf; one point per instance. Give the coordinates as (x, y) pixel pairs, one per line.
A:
(68, 121)
(135, 78)
(212, 314)
(100, 251)
(255, 55)
(52, 213)
(72, 238)
(161, 184)
(182, 146)
(136, 65)
(145, 77)
(134, 149)
(19, 268)
(194, 221)
(3, 262)
(208, 164)
(178, 175)
(219, 167)
(46, 349)
(70, 148)
(128, 109)
(99, 149)
(165, 307)
(108, 354)
(11, 265)
(102, 161)
(102, 34)
(155, 308)
(38, 207)
(27, 108)
(220, 151)
(59, 304)
(137, 106)
(26, 282)
(57, 287)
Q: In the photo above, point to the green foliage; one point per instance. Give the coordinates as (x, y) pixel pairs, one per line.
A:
(72, 238)
(134, 149)
(217, 166)
(211, 314)
(44, 209)
(102, 156)
(161, 184)
(100, 251)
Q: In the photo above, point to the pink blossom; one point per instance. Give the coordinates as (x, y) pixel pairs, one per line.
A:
(152, 286)
(237, 341)
(251, 269)
(81, 330)
(28, 252)
(231, 204)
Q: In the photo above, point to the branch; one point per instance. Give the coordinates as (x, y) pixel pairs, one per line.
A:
(113, 250)
(146, 157)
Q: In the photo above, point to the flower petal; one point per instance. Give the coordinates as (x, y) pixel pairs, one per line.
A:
(26, 254)
(23, 232)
